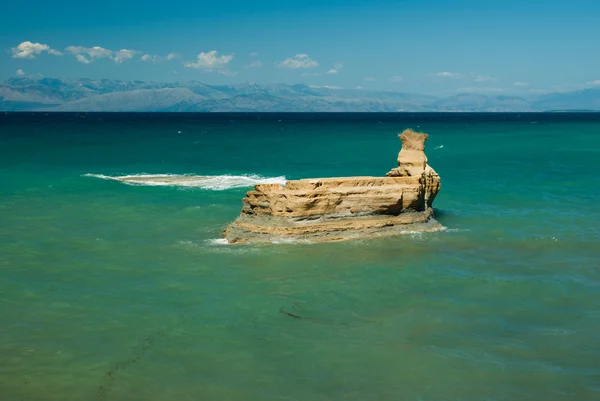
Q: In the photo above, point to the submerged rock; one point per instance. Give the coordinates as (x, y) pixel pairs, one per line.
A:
(335, 209)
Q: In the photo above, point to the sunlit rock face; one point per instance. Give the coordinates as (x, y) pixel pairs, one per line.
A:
(335, 209)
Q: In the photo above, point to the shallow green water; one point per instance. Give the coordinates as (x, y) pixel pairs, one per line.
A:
(119, 292)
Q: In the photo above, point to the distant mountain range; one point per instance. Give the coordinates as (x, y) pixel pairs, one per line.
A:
(50, 94)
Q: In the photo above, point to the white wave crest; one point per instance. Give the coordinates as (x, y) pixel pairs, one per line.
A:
(210, 182)
(455, 230)
(218, 241)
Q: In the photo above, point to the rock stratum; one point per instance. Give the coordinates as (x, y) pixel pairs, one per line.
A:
(336, 209)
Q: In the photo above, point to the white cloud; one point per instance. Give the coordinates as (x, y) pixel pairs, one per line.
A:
(253, 54)
(370, 79)
(99, 52)
(151, 58)
(336, 68)
(311, 74)
(209, 60)
(254, 64)
(397, 78)
(82, 59)
(20, 72)
(154, 58)
(92, 52)
(445, 74)
(29, 50)
(299, 61)
(359, 87)
(124, 55)
(484, 78)
(520, 84)
(594, 83)
(86, 55)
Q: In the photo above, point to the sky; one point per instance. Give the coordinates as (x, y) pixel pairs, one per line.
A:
(432, 47)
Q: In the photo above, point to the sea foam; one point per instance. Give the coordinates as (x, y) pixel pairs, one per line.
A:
(218, 241)
(209, 182)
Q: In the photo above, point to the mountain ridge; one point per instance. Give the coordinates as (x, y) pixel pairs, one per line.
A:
(105, 95)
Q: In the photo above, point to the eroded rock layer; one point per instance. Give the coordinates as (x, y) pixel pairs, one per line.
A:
(333, 209)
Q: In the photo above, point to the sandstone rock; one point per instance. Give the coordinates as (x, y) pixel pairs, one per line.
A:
(333, 209)
(411, 159)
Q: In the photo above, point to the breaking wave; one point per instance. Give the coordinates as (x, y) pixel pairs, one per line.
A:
(218, 241)
(210, 182)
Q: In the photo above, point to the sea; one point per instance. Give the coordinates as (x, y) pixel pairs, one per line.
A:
(111, 291)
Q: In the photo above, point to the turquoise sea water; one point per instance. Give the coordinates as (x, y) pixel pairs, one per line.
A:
(118, 292)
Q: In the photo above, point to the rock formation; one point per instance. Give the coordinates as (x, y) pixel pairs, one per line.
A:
(334, 209)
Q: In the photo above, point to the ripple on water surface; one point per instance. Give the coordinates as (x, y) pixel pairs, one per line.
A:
(121, 292)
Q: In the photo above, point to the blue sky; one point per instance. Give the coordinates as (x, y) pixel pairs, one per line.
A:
(436, 47)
